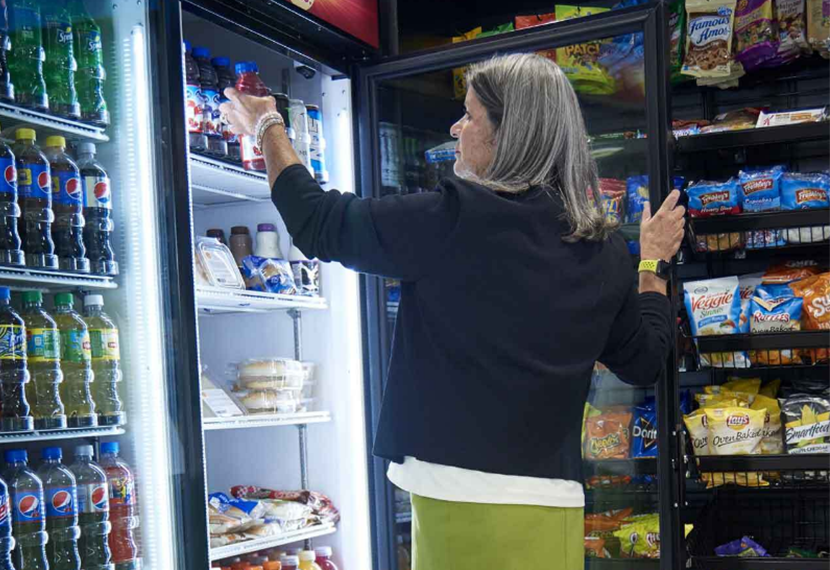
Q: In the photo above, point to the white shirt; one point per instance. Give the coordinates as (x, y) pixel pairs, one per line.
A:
(446, 483)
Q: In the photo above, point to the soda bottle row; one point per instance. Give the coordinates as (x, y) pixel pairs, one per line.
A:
(55, 212)
(52, 59)
(58, 372)
(68, 518)
(205, 82)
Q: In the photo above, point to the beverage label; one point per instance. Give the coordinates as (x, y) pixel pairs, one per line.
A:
(8, 182)
(248, 148)
(61, 32)
(67, 188)
(43, 345)
(122, 490)
(12, 342)
(75, 346)
(28, 507)
(96, 191)
(210, 110)
(5, 523)
(91, 43)
(193, 112)
(105, 344)
(93, 498)
(34, 181)
(61, 502)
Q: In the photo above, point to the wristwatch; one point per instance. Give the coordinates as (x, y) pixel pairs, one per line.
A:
(657, 266)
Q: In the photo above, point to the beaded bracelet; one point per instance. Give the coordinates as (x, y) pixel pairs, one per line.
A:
(266, 122)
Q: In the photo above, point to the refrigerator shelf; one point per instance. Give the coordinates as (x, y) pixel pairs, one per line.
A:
(46, 280)
(794, 340)
(740, 563)
(403, 518)
(58, 434)
(754, 137)
(645, 465)
(759, 221)
(46, 124)
(266, 420)
(217, 182)
(740, 463)
(249, 546)
(215, 300)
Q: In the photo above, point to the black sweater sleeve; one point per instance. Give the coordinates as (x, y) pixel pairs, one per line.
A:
(395, 236)
(640, 338)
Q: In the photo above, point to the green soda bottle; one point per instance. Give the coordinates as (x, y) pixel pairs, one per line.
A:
(106, 362)
(44, 348)
(59, 69)
(89, 79)
(16, 413)
(27, 55)
(76, 363)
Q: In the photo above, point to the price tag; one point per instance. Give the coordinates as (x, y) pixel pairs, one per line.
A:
(218, 401)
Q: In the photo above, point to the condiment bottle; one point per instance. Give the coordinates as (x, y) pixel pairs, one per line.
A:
(218, 234)
(267, 241)
(241, 244)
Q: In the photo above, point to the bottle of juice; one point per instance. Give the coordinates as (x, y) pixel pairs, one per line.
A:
(324, 561)
(307, 560)
(76, 363)
(249, 83)
(44, 347)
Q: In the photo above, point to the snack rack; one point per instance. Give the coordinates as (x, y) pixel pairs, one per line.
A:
(779, 501)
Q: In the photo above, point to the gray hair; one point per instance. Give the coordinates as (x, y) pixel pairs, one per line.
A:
(540, 138)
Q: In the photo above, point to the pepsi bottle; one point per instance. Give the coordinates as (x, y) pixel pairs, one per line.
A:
(10, 244)
(93, 509)
(26, 497)
(6, 540)
(68, 206)
(97, 212)
(61, 498)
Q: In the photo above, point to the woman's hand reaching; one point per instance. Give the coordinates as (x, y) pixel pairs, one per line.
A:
(661, 234)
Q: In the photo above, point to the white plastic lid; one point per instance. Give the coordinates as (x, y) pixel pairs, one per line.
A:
(94, 301)
(324, 551)
(307, 556)
(290, 560)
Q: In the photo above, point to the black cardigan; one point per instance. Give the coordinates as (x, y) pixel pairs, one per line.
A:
(500, 321)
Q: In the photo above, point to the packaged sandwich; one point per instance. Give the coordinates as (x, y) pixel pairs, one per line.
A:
(269, 275)
(807, 424)
(608, 436)
(709, 35)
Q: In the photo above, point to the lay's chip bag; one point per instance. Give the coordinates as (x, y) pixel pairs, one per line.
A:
(772, 440)
(580, 62)
(735, 431)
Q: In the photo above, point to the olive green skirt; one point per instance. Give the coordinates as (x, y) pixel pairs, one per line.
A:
(472, 536)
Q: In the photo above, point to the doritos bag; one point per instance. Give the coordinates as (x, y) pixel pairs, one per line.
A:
(644, 430)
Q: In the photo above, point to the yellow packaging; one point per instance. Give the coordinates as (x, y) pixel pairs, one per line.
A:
(722, 400)
(772, 441)
(734, 430)
(589, 412)
(580, 62)
(459, 78)
(750, 385)
(770, 389)
(640, 538)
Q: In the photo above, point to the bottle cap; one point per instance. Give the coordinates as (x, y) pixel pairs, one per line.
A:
(221, 61)
(57, 141)
(186, 45)
(83, 451)
(324, 551)
(266, 228)
(109, 447)
(201, 52)
(32, 297)
(307, 556)
(52, 453)
(288, 560)
(94, 301)
(5, 293)
(86, 148)
(25, 135)
(246, 67)
(240, 230)
(64, 299)
(13, 455)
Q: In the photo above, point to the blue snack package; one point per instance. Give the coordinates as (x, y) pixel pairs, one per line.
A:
(761, 189)
(677, 182)
(775, 308)
(268, 275)
(742, 547)
(636, 189)
(714, 198)
(686, 401)
(644, 429)
(804, 191)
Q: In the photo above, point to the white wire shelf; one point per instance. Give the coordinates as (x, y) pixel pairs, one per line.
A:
(266, 420)
(47, 280)
(249, 546)
(215, 300)
(53, 435)
(46, 124)
(215, 182)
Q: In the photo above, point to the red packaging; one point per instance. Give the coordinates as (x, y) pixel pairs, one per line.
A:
(534, 20)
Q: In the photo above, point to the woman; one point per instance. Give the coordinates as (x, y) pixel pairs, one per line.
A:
(513, 285)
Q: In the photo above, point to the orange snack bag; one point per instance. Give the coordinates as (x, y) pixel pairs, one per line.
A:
(790, 271)
(534, 20)
(608, 436)
(816, 316)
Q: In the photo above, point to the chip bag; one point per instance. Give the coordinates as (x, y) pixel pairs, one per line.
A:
(589, 412)
(644, 430)
(748, 385)
(747, 285)
(714, 308)
(775, 308)
(790, 271)
(815, 293)
(608, 436)
(637, 197)
(533, 20)
(734, 430)
(602, 524)
(677, 33)
(641, 538)
(698, 431)
(770, 389)
(612, 197)
(772, 441)
(807, 424)
(595, 548)
(580, 62)
(755, 33)
(459, 74)
(743, 547)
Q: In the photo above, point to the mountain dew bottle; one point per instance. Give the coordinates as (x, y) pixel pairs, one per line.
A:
(76, 363)
(44, 348)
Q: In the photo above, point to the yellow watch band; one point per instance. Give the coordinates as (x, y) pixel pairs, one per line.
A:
(649, 265)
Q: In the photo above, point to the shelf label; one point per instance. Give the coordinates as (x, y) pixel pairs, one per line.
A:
(218, 401)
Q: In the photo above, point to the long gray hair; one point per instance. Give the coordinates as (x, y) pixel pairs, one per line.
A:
(540, 138)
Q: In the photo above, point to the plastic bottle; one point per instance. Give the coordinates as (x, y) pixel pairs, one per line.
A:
(6, 540)
(28, 523)
(123, 507)
(249, 83)
(60, 65)
(93, 510)
(211, 125)
(44, 353)
(34, 185)
(324, 560)
(307, 560)
(241, 244)
(68, 206)
(290, 562)
(299, 122)
(10, 243)
(316, 143)
(106, 362)
(16, 414)
(306, 272)
(61, 498)
(27, 55)
(6, 85)
(89, 51)
(267, 241)
(193, 111)
(97, 212)
(227, 78)
(76, 363)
